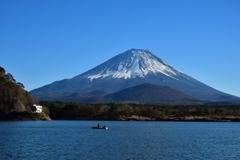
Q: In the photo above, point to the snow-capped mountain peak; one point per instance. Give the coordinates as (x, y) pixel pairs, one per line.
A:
(126, 70)
(131, 64)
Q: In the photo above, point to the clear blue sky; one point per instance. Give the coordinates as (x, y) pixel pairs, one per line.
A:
(42, 41)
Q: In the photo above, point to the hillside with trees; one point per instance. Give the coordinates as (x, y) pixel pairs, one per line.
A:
(13, 98)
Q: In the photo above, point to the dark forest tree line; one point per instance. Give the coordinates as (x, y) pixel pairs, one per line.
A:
(71, 111)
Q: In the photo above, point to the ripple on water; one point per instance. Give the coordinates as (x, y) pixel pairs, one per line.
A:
(72, 140)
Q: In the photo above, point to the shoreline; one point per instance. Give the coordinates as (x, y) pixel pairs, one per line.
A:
(128, 112)
(44, 117)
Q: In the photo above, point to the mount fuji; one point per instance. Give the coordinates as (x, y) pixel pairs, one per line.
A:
(128, 69)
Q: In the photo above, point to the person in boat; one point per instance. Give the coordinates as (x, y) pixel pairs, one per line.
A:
(98, 126)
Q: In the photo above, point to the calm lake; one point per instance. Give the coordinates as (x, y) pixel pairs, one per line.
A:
(75, 140)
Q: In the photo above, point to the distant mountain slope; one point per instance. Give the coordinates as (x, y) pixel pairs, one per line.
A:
(151, 94)
(128, 69)
(13, 98)
(143, 93)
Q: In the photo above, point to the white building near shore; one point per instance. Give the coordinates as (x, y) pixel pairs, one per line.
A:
(37, 109)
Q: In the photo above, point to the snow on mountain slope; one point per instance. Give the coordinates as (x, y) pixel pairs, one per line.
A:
(131, 64)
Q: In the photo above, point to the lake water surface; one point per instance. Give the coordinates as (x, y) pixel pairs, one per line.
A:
(75, 140)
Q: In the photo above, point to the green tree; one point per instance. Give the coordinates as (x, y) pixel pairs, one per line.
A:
(20, 85)
(2, 71)
(10, 77)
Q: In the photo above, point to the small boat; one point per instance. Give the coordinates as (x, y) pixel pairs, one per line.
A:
(100, 127)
